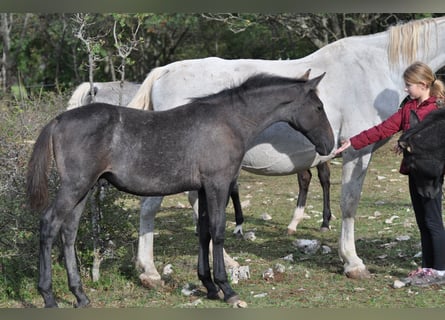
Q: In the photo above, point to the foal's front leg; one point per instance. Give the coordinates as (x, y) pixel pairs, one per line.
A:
(193, 199)
(215, 218)
(204, 241)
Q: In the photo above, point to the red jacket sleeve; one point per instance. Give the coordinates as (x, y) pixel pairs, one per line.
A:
(379, 132)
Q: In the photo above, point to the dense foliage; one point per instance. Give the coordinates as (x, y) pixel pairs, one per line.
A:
(53, 51)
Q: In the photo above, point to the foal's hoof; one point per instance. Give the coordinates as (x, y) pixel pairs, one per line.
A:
(219, 295)
(325, 229)
(150, 282)
(83, 304)
(235, 302)
(291, 232)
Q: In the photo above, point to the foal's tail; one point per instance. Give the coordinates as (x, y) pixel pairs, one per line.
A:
(142, 100)
(38, 166)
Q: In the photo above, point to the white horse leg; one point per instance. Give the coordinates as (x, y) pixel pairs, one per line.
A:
(352, 183)
(193, 199)
(297, 217)
(304, 179)
(150, 277)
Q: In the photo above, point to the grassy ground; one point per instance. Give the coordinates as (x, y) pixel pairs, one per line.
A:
(310, 281)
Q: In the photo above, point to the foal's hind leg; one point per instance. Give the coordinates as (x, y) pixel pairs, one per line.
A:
(69, 232)
(49, 228)
(50, 224)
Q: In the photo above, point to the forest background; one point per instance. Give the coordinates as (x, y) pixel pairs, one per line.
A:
(56, 52)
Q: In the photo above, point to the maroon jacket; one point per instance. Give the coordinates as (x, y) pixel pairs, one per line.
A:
(395, 123)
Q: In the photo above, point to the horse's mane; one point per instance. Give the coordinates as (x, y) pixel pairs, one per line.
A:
(405, 39)
(259, 80)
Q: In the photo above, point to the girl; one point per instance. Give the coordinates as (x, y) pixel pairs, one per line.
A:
(426, 93)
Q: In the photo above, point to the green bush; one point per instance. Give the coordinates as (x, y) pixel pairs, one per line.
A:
(20, 124)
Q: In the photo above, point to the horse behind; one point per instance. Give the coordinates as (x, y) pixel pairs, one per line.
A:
(112, 92)
(142, 153)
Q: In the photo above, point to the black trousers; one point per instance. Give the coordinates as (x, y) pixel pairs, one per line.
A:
(432, 232)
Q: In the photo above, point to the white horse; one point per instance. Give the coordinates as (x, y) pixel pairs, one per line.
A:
(113, 92)
(363, 86)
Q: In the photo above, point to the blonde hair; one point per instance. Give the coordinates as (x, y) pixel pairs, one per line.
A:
(419, 72)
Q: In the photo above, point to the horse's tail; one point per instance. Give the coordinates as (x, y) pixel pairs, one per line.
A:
(76, 98)
(38, 166)
(142, 98)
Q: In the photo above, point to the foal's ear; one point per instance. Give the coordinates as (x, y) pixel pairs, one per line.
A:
(413, 118)
(306, 75)
(313, 83)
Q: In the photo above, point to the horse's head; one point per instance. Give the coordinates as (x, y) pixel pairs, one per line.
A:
(423, 154)
(310, 117)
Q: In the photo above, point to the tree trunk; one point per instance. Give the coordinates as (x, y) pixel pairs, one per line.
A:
(5, 33)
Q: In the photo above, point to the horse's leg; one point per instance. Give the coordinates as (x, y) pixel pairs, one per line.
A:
(353, 175)
(50, 225)
(216, 198)
(150, 277)
(194, 202)
(69, 232)
(204, 242)
(95, 221)
(193, 199)
(239, 217)
(324, 175)
(304, 179)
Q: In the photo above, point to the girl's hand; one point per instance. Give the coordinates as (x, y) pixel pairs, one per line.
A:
(345, 144)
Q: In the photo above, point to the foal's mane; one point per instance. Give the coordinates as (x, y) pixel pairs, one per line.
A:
(259, 80)
(406, 39)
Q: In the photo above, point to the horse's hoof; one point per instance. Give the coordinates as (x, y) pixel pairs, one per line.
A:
(238, 231)
(291, 232)
(238, 235)
(235, 302)
(358, 274)
(325, 229)
(150, 282)
(219, 295)
(51, 305)
(82, 304)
